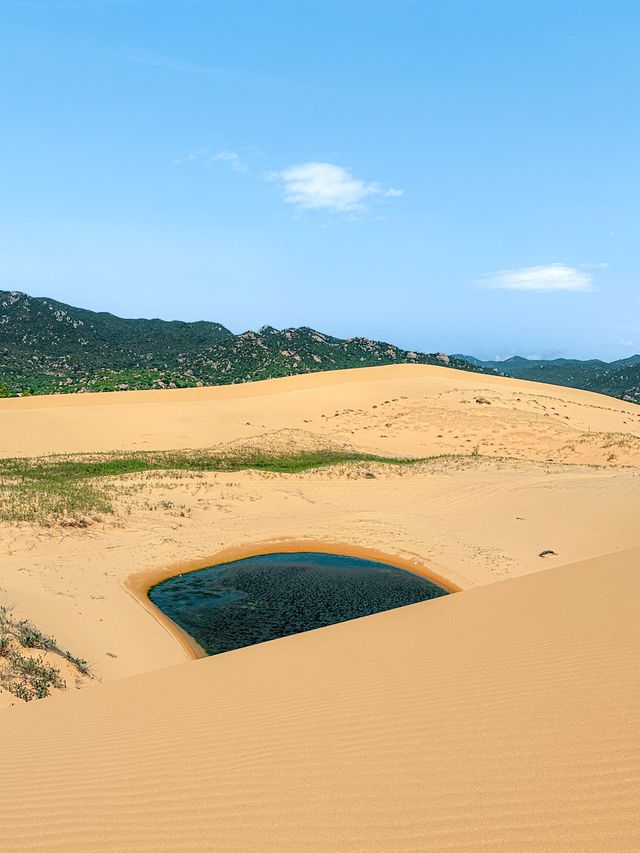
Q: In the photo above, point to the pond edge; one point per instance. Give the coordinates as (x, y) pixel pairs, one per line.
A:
(139, 583)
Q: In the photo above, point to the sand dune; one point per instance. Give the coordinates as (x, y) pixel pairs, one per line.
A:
(503, 718)
(499, 718)
(403, 409)
(471, 520)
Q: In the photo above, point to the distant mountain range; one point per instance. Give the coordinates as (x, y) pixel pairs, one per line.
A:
(616, 378)
(48, 347)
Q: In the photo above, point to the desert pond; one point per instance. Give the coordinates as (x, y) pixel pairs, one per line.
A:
(262, 598)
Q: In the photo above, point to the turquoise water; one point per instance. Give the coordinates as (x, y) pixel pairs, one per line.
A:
(262, 598)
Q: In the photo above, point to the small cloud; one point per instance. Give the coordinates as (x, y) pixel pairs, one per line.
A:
(545, 278)
(232, 159)
(326, 186)
(206, 157)
(625, 342)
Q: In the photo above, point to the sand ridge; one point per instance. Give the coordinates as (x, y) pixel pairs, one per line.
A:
(502, 718)
(470, 520)
(415, 410)
(471, 524)
(139, 584)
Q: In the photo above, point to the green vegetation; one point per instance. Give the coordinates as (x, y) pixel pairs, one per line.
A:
(48, 347)
(51, 348)
(616, 379)
(73, 490)
(24, 675)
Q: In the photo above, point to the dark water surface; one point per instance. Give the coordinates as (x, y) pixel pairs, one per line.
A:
(262, 598)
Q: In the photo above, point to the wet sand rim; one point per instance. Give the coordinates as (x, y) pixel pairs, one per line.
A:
(139, 584)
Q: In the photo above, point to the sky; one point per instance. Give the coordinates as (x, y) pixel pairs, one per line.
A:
(448, 175)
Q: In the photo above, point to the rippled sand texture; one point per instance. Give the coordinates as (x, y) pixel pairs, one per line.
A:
(414, 410)
(502, 719)
(570, 484)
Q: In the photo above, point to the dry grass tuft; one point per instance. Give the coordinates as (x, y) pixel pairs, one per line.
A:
(26, 675)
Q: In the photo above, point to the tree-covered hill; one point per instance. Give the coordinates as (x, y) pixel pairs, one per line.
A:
(616, 378)
(48, 347)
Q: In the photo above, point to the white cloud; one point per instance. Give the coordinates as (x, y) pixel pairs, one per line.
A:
(206, 157)
(549, 278)
(625, 342)
(326, 186)
(230, 157)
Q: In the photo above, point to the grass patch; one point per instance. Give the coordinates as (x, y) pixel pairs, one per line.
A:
(73, 490)
(25, 675)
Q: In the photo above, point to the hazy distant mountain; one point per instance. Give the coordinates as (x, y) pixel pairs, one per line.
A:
(616, 378)
(47, 347)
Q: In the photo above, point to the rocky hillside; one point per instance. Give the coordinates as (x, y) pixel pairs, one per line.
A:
(48, 347)
(616, 378)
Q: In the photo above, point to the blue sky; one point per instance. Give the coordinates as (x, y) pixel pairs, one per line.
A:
(457, 175)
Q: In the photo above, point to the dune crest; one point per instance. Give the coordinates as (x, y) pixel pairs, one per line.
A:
(482, 510)
(502, 718)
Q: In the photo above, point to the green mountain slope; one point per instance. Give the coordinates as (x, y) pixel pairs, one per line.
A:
(49, 347)
(616, 378)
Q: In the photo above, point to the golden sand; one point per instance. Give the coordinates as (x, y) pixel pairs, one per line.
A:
(140, 584)
(503, 718)
(500, 718)
(469, 521)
